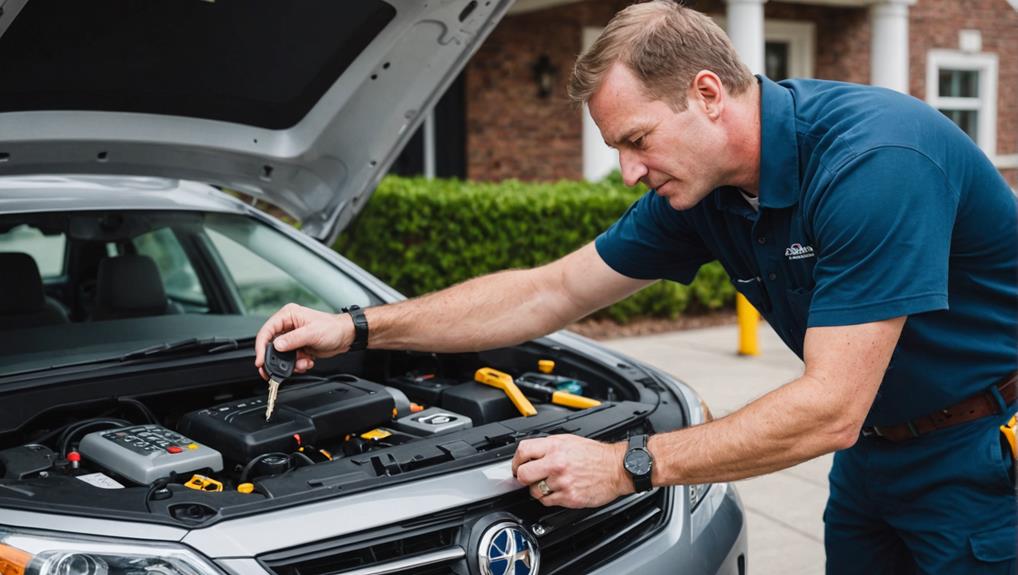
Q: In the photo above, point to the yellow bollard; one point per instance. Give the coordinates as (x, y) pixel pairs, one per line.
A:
(749, 321)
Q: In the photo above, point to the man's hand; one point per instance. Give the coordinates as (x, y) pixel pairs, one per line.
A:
(312, 333)
(580, 472)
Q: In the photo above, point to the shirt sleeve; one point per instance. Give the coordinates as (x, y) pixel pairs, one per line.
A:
(883, 231)
(652, 240)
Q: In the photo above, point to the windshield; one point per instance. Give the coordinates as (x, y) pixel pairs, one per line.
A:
(90, 285)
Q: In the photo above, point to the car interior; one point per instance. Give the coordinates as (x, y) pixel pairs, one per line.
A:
(94, 279)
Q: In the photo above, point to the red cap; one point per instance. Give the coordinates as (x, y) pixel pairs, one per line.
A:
(73, 456)
(297, 437)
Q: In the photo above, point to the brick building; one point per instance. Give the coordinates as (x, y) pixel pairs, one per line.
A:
(507, 116)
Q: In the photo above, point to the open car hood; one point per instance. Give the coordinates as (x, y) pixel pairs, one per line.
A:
(301, 103)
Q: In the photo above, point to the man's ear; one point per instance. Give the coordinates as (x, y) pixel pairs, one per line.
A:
(709, 93)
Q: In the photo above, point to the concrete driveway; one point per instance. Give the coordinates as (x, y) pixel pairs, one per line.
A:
(784, 508)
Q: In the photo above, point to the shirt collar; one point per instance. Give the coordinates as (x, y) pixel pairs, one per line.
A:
(779, 149)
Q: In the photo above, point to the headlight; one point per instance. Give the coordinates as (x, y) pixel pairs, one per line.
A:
(697, 492)
(699, 413)
(38, 553)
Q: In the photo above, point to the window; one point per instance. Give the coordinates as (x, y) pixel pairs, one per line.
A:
(263, 287)
(46, 250)
(776, 60)
(963, 86)
(268, 270)
(179, 278)
(438, 147)
(788, 49)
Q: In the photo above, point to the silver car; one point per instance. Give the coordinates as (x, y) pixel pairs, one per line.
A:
(133, 436)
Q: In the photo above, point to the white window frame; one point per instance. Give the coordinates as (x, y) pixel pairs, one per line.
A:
(985, 104)
(801, 39)
(801, 36)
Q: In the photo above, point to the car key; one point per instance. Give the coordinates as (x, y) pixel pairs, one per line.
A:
(279, 365)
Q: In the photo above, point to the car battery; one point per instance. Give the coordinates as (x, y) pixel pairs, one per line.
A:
(432, 421)
(482, 404)
(144, 453)
(424, 388)
(317, 412)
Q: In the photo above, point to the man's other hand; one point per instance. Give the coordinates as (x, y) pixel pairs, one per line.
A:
(311, 332)
(577, 472)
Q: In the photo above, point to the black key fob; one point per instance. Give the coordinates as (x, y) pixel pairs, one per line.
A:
(279, 364)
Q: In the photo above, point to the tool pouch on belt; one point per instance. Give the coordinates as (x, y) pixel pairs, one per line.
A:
(1009, 444)
(1008, 432)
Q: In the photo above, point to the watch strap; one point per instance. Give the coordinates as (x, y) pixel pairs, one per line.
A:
(641, 482)
(638, 441)
(360, 327)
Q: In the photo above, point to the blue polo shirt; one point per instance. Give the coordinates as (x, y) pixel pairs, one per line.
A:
(872, 206)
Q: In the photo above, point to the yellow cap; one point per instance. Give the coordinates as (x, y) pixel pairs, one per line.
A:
(246, 488)
(545, 366)
(377, 433)
(192, 446)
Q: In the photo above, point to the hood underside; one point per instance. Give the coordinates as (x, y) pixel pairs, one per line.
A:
(301, 103)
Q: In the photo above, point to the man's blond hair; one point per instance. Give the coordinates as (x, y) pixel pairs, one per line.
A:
(665, 45)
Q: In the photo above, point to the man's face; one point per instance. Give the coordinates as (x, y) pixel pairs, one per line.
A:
(675, 153)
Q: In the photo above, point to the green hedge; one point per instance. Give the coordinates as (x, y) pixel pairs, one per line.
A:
(423, 235)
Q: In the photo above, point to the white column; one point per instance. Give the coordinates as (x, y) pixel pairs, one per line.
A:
(746, 29)
(889, 44)
(598, 159)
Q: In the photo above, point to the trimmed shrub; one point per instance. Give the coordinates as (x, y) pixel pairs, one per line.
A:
(423, 235)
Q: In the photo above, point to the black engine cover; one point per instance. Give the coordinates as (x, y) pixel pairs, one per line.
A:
(318, 411)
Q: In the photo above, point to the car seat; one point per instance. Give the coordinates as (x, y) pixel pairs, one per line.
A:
(23, 302)
(129, 286)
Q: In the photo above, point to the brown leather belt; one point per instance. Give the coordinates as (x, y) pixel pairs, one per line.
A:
(966, 410)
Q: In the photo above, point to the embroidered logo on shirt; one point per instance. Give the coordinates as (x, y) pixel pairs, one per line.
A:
(799, 252)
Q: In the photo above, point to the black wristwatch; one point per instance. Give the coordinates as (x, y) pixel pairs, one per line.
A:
(639, 463)
(360, 327)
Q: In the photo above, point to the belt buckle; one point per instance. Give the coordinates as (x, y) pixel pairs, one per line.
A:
(872, 431)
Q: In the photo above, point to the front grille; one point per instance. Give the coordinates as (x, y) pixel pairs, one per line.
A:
(421, 549)
(572, 541)
(604, 535)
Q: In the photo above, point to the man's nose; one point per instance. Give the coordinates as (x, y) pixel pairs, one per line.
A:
(632, 168)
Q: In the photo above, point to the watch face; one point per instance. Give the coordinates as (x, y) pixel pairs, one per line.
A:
(638, 462)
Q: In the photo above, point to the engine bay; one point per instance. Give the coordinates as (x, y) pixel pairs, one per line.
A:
(209, 452)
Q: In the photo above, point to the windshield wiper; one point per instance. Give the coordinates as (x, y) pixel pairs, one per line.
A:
(192, 344)
(207, 345)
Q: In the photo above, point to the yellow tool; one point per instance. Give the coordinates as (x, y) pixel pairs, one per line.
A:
(202, 483)
(504, 381)
(1010, 432)
(563, 398)
(535, 391)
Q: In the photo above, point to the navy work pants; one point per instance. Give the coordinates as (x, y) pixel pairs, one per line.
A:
(942, 503)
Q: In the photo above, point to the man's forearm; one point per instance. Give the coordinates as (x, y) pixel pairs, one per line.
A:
(818, 413)
(487, 312)
(788, 426)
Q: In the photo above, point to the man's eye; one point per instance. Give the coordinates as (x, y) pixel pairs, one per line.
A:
(638, 142)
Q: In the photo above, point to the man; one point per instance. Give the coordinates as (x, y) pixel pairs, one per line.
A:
(871, 232)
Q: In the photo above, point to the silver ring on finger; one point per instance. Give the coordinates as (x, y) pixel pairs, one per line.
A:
(543, 486)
